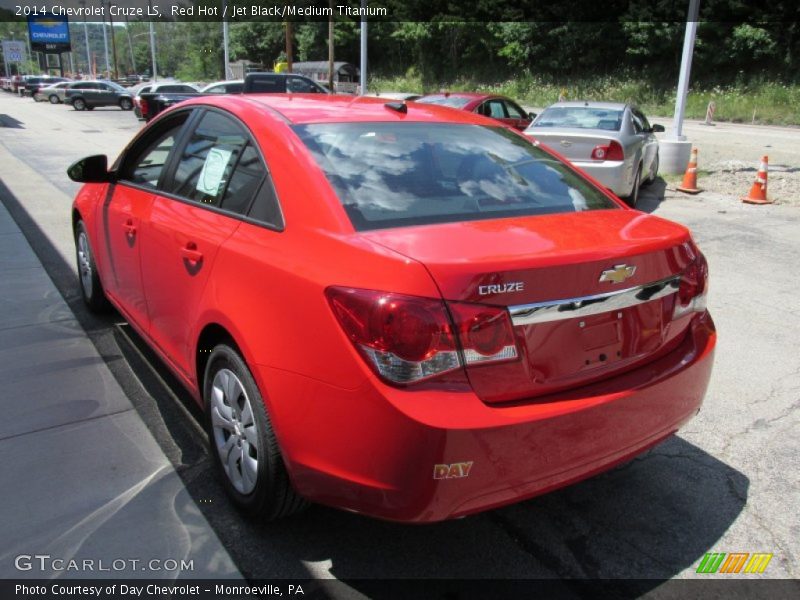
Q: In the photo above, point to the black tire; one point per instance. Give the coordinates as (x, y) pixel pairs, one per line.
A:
(633, 199)
(79, 104)
(91, 287)
(653, 172)
(54, 99)
(271, 495)
(126, 104)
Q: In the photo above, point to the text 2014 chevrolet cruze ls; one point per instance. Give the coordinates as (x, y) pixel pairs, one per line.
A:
(401, 310)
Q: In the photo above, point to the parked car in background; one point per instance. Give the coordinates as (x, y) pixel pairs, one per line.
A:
(165, 87)
(496, 107)
(87, 95)
(53, 93)
(281, 83)
(231, 86)
(612, 142)
(152, 103)
(32, 84)
(404, 311)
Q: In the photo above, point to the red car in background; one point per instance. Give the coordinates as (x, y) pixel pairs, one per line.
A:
(396, 309)
(495, 107)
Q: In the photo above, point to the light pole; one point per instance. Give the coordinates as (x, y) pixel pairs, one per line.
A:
(363, 73)
(105, 38)
(113, 40)
(226, 55)
(130, 44)
(152, 42)
(86, 36)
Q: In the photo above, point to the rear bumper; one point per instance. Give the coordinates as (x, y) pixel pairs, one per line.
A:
(611, 174)
(375, 449)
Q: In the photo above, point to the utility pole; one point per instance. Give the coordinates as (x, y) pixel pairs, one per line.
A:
(289, 35)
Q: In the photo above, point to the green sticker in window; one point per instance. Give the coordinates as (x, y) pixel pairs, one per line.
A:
(213, 172)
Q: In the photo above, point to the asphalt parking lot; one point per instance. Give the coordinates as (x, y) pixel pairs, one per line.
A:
(728, 482)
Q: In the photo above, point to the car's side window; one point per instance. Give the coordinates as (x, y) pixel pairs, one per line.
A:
(638, 126)
(268, 85)
(642, 119)
(144, 163)
(265, 207)
(494, 109)
(245, 181)
(298, 85)
(515, 112)
(217, 89)
(208, 159)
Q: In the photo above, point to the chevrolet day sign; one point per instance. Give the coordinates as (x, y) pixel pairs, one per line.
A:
(49, 33)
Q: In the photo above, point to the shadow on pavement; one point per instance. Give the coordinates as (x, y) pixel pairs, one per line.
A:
(651, 518)
(651, 196)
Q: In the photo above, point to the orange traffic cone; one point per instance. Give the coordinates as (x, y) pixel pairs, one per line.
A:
(689, 184)
(758, 192)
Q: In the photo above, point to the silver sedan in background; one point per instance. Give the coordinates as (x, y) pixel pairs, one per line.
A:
(53, 93)
(612, 142)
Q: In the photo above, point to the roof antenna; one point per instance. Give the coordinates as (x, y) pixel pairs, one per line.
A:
(397, 106)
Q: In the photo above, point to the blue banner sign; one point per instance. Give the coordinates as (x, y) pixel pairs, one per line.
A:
(49, 33)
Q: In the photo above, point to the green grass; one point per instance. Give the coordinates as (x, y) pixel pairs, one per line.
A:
(771, 103)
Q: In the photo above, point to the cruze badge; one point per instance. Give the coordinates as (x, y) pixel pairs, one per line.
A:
(618, 274)
(501, 288)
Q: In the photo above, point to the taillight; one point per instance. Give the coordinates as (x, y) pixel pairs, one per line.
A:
(143, 106)
(693, 288)
(611, 151)
(406, 339)
(485, 332)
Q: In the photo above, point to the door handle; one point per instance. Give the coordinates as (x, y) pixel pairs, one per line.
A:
(191, 253)
(129, 227)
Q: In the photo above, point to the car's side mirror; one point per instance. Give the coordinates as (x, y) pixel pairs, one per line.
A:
(532, 115)
(92, 169)
(657, 129)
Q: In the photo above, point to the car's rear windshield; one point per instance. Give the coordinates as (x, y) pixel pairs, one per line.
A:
(398, 174)
(451, 101)
(580, 117)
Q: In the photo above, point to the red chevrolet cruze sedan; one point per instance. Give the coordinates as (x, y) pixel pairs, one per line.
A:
(396, 309)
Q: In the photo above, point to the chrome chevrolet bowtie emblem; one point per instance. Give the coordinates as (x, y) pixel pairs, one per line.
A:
(618, 274)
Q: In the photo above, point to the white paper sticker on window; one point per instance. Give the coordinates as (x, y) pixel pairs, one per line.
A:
(210, 181)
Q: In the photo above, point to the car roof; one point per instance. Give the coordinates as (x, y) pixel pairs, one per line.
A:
(589, 104)
(223, 81)
(334, 108)
(464, 95)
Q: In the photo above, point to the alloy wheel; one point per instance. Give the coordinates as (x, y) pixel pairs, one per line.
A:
(85, 264)
(235, 430)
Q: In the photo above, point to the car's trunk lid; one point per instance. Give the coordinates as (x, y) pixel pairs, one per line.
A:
(576, 145)
(548, 270)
